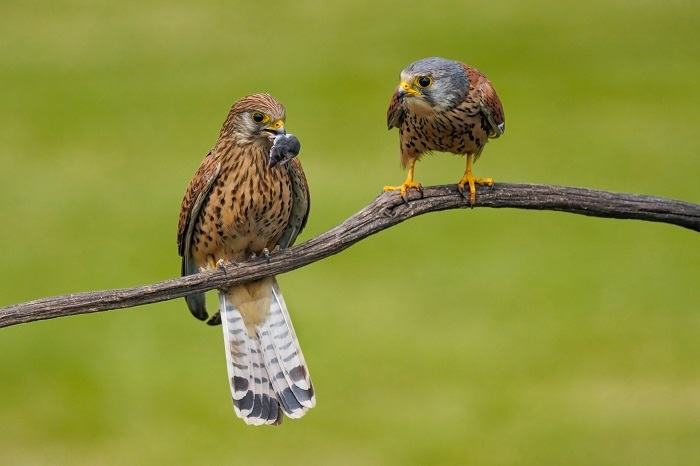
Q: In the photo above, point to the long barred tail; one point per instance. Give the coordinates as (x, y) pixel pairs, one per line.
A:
(266, 369)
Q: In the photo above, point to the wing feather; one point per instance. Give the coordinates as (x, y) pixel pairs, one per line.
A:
(489, 102)
(396, 112)
(192, 203)
(301, 203)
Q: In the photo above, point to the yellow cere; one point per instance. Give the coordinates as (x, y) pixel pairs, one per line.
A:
(276, 125)
(410, 90)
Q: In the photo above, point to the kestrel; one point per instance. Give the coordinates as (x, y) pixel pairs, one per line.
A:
(447, 106)
(243, 203)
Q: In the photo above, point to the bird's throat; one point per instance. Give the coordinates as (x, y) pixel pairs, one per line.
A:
(418, 106)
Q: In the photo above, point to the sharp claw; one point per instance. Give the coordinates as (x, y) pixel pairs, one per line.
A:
(460, 188)
(266, 254)
(233, 262)
(462, 191)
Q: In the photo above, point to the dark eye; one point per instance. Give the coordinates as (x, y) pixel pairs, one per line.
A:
(258, 117)
(424, 81)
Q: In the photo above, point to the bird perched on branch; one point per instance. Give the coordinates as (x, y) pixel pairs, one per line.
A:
(242, 203)
(447, 106)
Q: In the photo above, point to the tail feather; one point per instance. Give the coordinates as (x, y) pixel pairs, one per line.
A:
(238, 358)
(254, 417)
(266, 368)
(265, 395)
(288, 352)
(265, 407)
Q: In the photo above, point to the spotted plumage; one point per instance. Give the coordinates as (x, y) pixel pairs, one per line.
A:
(446, 106)
(239, 205)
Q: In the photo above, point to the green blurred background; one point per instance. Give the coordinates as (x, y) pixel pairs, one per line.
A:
(461, 337)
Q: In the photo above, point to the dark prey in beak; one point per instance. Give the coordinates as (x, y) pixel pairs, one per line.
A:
(284, 148)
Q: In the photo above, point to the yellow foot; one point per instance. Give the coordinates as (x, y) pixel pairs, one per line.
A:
(404, 187)
(469, 179)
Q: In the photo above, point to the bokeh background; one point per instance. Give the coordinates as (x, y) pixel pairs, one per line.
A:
(461, 337)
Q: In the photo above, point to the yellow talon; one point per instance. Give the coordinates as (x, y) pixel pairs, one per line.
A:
(404, 187)
(469, 179)
(409, 183)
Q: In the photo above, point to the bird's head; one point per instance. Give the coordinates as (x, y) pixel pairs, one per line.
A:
(433, 85)
(256, 118)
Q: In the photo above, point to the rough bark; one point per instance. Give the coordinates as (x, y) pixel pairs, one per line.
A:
(385, 211)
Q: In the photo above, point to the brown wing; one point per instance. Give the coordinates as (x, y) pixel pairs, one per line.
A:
(489, 103)
(396, 112)
(301, 204)
(192, 202)
(195, 197)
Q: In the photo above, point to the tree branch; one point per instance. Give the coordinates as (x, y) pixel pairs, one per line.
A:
(385, 211)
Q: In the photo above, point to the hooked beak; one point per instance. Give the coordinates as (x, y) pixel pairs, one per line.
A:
(275, 129)
(406, 89)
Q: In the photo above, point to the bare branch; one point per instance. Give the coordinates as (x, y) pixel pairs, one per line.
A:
(385, 211)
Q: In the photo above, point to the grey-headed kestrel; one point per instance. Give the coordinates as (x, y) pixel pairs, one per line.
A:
(447, 106)
(243, 203)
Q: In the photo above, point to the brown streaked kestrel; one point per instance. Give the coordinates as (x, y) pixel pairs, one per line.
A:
(243, 203)
(447, 106)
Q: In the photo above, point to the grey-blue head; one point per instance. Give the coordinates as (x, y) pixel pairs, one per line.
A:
(433, 84)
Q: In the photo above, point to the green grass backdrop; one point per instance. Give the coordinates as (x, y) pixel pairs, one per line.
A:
(462, 337)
